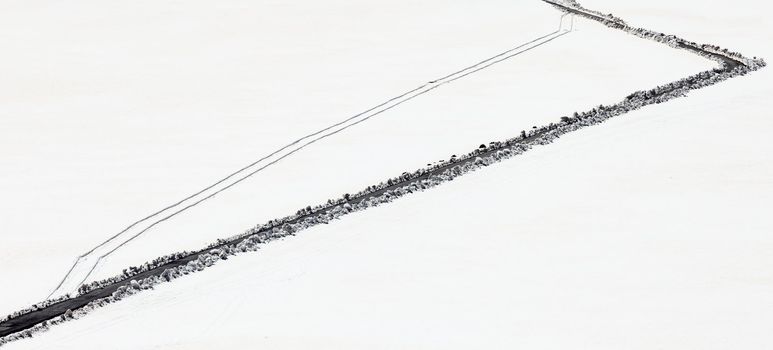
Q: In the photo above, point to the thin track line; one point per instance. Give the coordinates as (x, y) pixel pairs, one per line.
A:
(400, 98)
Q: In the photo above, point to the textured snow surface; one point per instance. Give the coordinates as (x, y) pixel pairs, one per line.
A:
(650, 231)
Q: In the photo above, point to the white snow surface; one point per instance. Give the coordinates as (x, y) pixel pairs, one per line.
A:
(121, 117)
(649, 231)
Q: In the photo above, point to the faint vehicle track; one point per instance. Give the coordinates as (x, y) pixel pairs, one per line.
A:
(86, 263)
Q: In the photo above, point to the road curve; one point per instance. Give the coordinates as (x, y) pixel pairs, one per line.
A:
(730, 62)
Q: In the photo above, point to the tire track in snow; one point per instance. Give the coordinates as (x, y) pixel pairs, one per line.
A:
(88, 262)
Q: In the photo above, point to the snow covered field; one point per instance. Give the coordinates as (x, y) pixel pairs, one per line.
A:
(162, 114)
(648, 231)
